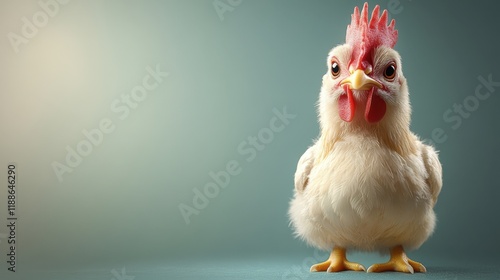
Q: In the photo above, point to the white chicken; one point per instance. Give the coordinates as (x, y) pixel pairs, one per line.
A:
(368, 183)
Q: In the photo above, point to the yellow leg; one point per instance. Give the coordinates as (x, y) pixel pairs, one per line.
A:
(398, 262)
(337, 262)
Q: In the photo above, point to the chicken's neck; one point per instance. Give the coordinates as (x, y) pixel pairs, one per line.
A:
(396, 138)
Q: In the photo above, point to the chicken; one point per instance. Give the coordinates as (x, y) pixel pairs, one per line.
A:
(368, 183)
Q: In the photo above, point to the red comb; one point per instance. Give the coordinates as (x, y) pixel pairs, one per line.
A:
(366, 36)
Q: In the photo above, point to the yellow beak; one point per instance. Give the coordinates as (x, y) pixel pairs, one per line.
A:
(358, 80)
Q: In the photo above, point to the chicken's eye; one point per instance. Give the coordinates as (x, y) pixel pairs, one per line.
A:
(390, 71)
(335, 69)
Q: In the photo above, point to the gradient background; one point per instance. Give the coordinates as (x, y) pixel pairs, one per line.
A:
(119, 207)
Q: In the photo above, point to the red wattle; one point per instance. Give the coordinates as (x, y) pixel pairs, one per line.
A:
(375, 107)
(347, 105)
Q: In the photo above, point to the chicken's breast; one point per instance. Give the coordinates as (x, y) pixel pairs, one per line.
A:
(365, 196)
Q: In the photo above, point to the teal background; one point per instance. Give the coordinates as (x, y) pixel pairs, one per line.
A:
(120, 206)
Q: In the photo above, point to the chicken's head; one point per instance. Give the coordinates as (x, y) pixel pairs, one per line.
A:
(364, 85)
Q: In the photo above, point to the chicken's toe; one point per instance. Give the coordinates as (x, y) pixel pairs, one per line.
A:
(391, 266)
(417, 267)
(345, 265)
(398, 262)
(321, 266)
(337, 262)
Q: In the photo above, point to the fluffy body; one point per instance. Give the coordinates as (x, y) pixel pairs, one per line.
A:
(365, 196)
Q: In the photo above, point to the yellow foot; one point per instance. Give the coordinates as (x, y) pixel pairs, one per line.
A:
(337, 262)
(398, 262)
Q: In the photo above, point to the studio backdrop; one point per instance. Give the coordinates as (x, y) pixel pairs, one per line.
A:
(159, 139)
